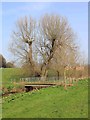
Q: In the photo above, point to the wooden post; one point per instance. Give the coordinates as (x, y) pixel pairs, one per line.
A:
(65, 86)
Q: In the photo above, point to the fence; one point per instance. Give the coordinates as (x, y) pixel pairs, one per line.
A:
(37, 79)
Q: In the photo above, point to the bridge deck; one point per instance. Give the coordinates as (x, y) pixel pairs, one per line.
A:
(30, 87)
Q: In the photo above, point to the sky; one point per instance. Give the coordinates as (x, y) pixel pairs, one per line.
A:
(76, 13)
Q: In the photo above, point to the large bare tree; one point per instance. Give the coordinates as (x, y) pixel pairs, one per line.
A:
(55, 36)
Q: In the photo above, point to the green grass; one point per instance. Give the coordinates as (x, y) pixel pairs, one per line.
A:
(11, 74)
(52, 102)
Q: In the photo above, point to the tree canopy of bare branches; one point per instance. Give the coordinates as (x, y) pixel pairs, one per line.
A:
(22, 40)
(56, 42)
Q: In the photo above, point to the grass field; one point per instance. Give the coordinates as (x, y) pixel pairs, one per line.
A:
(52, 102)
(8, 74)
(12, 74)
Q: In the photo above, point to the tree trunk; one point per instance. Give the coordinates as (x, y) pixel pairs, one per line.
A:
(65, 77)
(58, 74)
(44, 68)
(31, 58)
(44, 71)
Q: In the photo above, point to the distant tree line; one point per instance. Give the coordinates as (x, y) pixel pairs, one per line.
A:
(4, 63)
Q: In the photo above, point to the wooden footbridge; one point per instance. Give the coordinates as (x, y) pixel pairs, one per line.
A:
(30, 87)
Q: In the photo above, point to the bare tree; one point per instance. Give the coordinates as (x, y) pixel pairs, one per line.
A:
(55, 35)
(22, 41)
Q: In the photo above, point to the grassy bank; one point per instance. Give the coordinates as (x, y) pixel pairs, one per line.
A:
(52, 102)
(11, 74)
